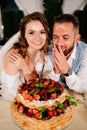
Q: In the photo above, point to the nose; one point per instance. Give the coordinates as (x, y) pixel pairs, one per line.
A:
(58, 41)
(37, 37)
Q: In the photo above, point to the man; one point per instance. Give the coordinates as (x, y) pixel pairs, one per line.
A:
(69, 53)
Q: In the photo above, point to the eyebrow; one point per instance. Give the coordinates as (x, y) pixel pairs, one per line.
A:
(35, 30)
(62, 35)
(65, 35)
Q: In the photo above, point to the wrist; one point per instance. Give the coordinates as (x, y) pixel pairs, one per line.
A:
(69, 72)
(56, 71)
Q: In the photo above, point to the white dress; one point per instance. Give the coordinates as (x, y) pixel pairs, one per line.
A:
(10, 83)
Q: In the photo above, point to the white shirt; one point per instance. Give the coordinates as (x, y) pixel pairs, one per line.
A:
(76, 82)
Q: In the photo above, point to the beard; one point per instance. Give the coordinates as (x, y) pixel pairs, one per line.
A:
(69, 50)
(66, 52)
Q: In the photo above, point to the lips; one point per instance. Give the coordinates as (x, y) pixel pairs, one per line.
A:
(37, 43)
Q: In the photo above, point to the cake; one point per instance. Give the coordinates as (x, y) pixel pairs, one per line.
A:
(42, 104)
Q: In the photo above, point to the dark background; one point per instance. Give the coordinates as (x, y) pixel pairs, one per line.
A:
(11, 17)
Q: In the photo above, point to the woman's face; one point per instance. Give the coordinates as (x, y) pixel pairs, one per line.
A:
(35, 34)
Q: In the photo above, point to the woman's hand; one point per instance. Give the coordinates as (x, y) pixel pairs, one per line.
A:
(21, 63)
(17, 60)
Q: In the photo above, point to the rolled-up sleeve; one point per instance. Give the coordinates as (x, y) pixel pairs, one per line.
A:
(78, 82)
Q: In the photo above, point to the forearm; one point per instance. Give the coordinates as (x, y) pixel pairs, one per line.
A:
(11, 69)
(53, 75)
(32, 75)
(76, 83)
(29, 72)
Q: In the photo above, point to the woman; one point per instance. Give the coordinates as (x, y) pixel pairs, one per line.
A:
(25, 60)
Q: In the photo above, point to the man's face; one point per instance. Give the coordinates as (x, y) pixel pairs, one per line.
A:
(64, 36)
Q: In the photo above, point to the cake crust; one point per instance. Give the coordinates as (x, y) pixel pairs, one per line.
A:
(55, 123)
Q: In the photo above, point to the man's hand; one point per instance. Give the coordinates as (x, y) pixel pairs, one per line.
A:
(60, 61)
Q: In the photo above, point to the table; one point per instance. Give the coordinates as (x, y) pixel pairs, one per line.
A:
(6, 123)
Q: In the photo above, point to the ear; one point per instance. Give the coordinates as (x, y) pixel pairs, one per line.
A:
(77, 38)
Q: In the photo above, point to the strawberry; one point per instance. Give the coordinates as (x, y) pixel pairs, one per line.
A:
(32, 84)
(52, 82)
(50, 86)
(38, 116)
(46, 83)
(25, 92)
(30, 112)
(27, 96)
(59, 110)
(35, 111)
(53, 95)
(21, 91)
(51, 113)
(66, 104)
(21, 108)
(18, 104)
(60, 87)
(36, 96)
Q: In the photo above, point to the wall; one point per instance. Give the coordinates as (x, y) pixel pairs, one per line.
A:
(29, 6)
(69, 6)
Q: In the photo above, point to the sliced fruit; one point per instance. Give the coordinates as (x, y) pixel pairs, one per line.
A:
(54, 95)
(36, 96)
(21, 108)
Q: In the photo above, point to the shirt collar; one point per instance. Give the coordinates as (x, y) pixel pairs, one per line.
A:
(73, 53)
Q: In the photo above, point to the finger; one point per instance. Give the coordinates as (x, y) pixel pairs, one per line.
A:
(55, 61)
(60, 50)
(12, 61)
(59, 54)
(56, 56)
(56, 68)
(15, 55)
(12, 57)
(53, 57)
(55, 48)
(53, 53)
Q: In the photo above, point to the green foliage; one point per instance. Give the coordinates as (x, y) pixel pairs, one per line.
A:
(71, 100)
(82, 17)
(38, 84)
(52, 90)
(10, 21)
(2, 3)
(60, 105)
(52, 8)
(79, 14)
(18, 16)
